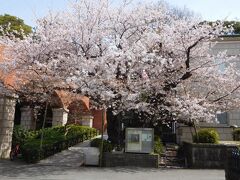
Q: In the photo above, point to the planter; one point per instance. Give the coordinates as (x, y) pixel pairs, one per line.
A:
(130, 159)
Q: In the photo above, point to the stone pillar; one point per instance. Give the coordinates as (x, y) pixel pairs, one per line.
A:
(60, 117)
(27, 120)
(87, 120)
(7, 111)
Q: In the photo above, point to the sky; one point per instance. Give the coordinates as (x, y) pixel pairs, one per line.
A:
(30, 10)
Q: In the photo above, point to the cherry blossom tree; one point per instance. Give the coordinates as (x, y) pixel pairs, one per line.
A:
(143, 57)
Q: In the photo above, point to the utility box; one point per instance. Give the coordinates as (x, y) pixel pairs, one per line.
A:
(139, 140)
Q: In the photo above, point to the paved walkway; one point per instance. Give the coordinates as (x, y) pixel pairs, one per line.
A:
(73, 157)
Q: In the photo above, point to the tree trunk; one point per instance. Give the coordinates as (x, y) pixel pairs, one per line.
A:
(195, 129)
(43, 125)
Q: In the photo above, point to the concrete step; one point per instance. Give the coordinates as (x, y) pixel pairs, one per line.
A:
(172, 146)
(171, 153)
(170, 157)
(176, 164)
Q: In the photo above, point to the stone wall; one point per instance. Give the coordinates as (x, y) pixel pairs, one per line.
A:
(184, 133)
(233, 117)
(206, 155)
(130, 159)
(232, 47)
(87, 121)
(27, 120)
(60, 117)
(7, 110)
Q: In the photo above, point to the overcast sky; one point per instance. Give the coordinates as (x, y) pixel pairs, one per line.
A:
(29, 10)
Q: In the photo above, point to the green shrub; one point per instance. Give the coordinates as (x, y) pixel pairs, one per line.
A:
(236, 134)
(107, 146)
(207, 135)
(55, 139)
(21, 135)
(53, 134)
(158, 146)
(76, 130)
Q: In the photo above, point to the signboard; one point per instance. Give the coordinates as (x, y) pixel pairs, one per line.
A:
(139, 140)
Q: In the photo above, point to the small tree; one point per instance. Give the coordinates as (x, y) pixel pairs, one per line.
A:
(234, 24)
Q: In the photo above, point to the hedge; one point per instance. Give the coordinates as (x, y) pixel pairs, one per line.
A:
(236, 134)
(107, 146)
(55, 139)
(21, 135)
(206, 135)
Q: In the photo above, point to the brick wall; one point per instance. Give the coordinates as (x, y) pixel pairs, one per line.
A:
(97, 119)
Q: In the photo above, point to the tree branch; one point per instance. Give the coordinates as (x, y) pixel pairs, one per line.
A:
(222, 97)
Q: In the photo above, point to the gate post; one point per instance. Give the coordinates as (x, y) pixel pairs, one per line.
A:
(7, 111)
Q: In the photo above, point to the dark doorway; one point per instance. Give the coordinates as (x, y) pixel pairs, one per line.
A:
(40, 117)
(17, 115)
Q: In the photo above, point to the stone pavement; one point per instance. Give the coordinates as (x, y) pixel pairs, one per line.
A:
(15, 170)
